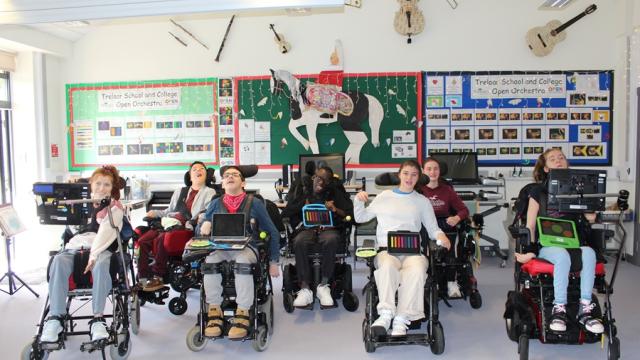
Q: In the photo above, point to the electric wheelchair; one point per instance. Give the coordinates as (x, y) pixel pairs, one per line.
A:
(261, 312)
(178, 274)
(528, 307)
(341, 281)
(125, 316)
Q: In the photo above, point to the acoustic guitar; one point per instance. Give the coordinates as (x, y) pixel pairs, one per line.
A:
(542, 39)
(283, 45)
(409, 19)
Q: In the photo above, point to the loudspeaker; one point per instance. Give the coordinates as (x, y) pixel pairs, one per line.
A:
(285, 174)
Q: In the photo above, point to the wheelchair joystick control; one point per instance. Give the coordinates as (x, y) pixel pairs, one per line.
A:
(347, 218)
(439, 242)
(263, 235)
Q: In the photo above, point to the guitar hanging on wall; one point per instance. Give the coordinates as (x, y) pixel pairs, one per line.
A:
(542, 39)
(409, 19)
(283, 45)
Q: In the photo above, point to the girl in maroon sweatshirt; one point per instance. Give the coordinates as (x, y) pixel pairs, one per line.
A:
(449, 210)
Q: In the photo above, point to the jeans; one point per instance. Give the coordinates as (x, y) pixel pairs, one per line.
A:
(561, 261)
(306, 242)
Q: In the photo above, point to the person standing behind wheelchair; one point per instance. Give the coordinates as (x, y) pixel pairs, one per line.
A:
(399, 209)
(324, 189)
(234, 200)
(185, 206)
(449, 210)
(99, 236)
(560, 257)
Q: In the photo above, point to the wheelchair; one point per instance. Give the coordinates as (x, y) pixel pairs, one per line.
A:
(261, 312)
(341, 281)
(433, 334)
(125, 317)
(528, 306)
(179, 275)
(461, 264)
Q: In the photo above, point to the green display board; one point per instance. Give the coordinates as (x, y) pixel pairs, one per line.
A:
(392, 103)
(163, 124)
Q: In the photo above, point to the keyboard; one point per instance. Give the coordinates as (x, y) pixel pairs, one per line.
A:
(466, 195)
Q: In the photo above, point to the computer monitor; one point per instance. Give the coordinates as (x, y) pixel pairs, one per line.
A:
(576, 182)
(462, 167)
(334, 161)
(52, 213)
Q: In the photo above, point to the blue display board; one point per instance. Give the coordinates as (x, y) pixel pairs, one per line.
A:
(510, 117)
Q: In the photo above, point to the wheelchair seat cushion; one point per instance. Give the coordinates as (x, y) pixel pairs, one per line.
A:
(538, 266)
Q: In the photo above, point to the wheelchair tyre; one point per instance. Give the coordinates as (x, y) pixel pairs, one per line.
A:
(350, 301)
(261, 340)
(475, 300)
(179, 278)
(134, 314)
(613, 349)
(437, 339)
(523, 347)
(28, 353)
(122, 348)
(287, 301)
(369, 345)
(512, 324)
(178, 306)
(195, 340)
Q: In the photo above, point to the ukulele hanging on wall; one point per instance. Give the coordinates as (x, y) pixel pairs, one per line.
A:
(409, 19)
(283, 45)
(542, 39)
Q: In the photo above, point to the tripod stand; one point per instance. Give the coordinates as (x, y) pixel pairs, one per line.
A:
(11, 276)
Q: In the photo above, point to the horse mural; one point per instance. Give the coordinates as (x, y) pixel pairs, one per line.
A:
(313, 104)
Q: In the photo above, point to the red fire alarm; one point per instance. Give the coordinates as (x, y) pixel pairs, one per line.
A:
(54, 150)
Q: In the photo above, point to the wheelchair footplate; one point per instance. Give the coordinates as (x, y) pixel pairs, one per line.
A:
(91, 346)
(156, 296)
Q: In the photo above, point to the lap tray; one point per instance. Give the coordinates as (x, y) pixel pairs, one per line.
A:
(403, 242)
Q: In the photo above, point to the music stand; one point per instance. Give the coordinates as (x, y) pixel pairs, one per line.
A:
(11, 225)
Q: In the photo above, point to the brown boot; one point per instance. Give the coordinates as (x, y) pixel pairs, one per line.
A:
(214, 325)
(240, 325)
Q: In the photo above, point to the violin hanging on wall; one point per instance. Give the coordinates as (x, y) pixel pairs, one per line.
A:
(283, 45)
(409, 19)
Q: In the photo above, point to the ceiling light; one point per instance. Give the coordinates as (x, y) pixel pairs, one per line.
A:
(76, 23)
(299, 11)
(555, 4)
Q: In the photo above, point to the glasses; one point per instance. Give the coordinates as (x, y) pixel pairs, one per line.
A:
(230, 175)
(318, 178)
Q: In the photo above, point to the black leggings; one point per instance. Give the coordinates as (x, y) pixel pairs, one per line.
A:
(306, 243)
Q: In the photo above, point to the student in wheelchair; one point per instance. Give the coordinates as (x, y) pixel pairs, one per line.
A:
(177, 223)
(399, 209)
(236, 200)
(321, 188)
(450, 212)
(96, 244)
(562, 259)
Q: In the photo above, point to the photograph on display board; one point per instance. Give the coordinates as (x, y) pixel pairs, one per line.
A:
(512, 111)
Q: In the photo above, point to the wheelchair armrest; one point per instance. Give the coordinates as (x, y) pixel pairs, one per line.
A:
(521, 234)
(367, 250)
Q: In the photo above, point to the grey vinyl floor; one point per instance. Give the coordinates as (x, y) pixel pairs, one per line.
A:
(336, 333)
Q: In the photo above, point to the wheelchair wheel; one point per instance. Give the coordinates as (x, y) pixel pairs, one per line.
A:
(369, 345)
(134, 314)
(179, 278)
(28, 353)
(178, 306)
(195, 340)
(270, 315)
(512, 324)
(261, 340)
(122, 348)
(523, 347)
(350, 301)
(613, 349)
(475, 300)
(437, 339)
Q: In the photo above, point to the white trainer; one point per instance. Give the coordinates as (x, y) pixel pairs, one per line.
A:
(323, 292)
(453, 289)
(400, 325)
(51, 330)
(304, 298)
(382, 323)
(99, 330)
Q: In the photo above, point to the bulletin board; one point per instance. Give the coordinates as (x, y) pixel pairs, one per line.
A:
(163, 124)
(264, 122)
(510, 117)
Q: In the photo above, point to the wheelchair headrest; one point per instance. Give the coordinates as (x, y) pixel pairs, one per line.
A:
(209, 180)
(246, 170)
(392, 179)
